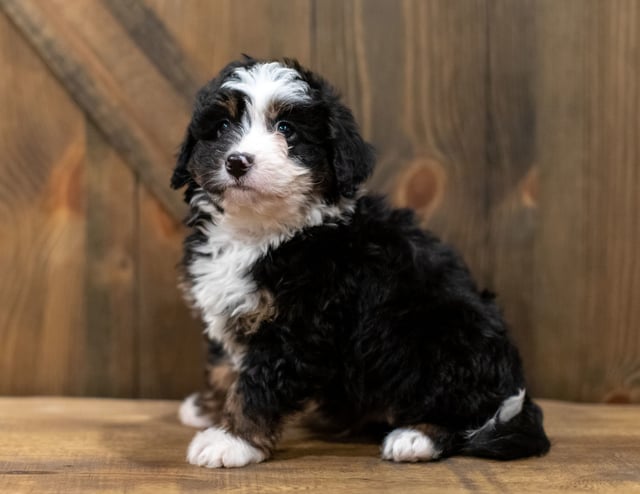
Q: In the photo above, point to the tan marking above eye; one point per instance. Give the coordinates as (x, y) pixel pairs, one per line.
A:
(275, 109)
(230, 105)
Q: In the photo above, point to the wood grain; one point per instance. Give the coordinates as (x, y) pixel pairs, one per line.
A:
(214, 33)
(419, 98)
(170, 338)
(446, 100)
(587, 277)
(110, 326)
(511, 168)
(113, 81)
(151, 35)
(339, 55)
(171, 357)
(42, 223)
(511, 127)
(80, 445)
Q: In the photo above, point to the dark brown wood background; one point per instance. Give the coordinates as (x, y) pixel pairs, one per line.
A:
(512, 126)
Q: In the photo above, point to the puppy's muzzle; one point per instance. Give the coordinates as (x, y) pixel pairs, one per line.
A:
(238, 164)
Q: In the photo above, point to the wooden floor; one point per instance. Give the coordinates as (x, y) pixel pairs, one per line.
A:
(91, 445)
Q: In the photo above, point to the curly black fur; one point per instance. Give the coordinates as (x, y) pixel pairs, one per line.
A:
(376, 318)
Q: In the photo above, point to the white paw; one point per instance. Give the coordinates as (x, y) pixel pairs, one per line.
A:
(191, 415)
(408, 445)
(215, 448)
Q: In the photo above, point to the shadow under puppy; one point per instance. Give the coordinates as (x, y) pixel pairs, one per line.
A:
(313, 292)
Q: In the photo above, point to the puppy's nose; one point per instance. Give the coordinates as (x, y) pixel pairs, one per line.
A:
(238, 164)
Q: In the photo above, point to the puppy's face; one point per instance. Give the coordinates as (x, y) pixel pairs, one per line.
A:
(268, 139)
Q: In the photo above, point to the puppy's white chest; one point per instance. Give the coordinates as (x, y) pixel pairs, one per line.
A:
(222, 285)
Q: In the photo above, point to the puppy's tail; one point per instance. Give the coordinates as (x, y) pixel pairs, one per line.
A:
(515, 431)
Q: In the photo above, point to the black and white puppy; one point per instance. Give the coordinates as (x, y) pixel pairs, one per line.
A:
(312, 292)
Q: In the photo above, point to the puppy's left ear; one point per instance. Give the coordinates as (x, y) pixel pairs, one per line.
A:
(181, 175)
(353, 158)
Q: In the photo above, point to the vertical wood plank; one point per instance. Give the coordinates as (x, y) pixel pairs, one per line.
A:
(588, 344)
(414, 73)
(42, 224)
(563, 131)
(110, 284)
(202, 27)
(213, 33)
(271, 29)
(447, 115)
(347, 49)
(511, 127)
(511, 167)
(170, 360)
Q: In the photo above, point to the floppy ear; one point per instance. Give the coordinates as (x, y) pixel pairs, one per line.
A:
(203, 99)
(353, 158)
(181, 175)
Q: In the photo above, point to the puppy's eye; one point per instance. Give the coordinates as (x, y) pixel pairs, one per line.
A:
(286, 129)
(223, 126)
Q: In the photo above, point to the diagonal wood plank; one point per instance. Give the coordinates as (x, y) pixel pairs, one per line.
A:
(152, 36)
(103, 67)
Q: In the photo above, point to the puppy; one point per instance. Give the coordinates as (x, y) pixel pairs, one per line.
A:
(313, 292)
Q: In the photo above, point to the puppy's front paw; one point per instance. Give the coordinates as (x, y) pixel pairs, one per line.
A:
(408, 445)
(215, 448)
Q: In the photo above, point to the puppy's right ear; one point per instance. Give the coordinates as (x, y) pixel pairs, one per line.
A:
(181, 174)
(353, 158)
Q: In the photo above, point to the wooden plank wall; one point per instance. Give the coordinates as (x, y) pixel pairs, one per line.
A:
(512, 127)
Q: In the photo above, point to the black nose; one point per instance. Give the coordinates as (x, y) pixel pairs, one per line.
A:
(238, 164)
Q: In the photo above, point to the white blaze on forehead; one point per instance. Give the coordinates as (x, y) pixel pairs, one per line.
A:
(273, 173)
(267, 82)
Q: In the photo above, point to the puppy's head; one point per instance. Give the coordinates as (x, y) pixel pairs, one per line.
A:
(270, 138)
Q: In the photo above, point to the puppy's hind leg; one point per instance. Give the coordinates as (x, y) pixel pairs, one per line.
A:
(515, 431)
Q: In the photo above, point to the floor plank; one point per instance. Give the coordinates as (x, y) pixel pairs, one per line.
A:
(98, 445)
